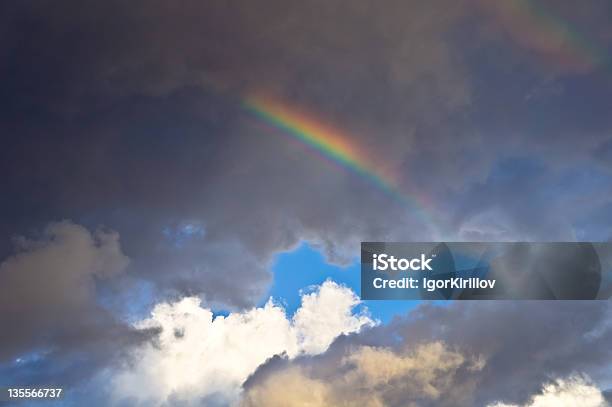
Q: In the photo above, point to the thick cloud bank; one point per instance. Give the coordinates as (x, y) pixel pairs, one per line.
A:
(466, 354)
(494, 119)
(375, 377)
(130, 115)
(199, 358)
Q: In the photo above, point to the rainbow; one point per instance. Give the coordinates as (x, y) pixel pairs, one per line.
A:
(337, 146)
(539, 29)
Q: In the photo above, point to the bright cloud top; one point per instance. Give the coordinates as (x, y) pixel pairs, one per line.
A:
(570, 392)
(200, 357)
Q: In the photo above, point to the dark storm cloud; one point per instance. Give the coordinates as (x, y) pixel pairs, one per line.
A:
(129, 115)
(502, 352)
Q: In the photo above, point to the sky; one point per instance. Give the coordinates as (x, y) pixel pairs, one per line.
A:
(186, 186)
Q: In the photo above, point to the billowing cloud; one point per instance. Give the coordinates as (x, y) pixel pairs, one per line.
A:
(200, 358)
(368, 376)
(453, 356)
(509, 334)
(570, 392)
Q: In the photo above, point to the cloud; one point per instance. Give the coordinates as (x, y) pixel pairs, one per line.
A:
(608, 396)
(48, 286)
(366, 376)
(136, 122)
(562, 37)
(202, 358)
(570, 392)
(510, 334)
(49, 309)
(465, 354)
(168, 142)
(324, 314)
(130, 116)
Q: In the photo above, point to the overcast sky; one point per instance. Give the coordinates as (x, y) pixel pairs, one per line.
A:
(148, 213)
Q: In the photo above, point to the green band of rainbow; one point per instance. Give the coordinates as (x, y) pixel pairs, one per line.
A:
(334, 145)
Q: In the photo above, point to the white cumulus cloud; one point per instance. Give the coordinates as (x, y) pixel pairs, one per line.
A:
(201, 357)
(575, 391)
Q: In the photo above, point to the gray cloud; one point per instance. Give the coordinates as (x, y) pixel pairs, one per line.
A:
(167, 141)
(48, 304)
(567, 337)
(510, 349)
(371, 376)
(129, 116)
